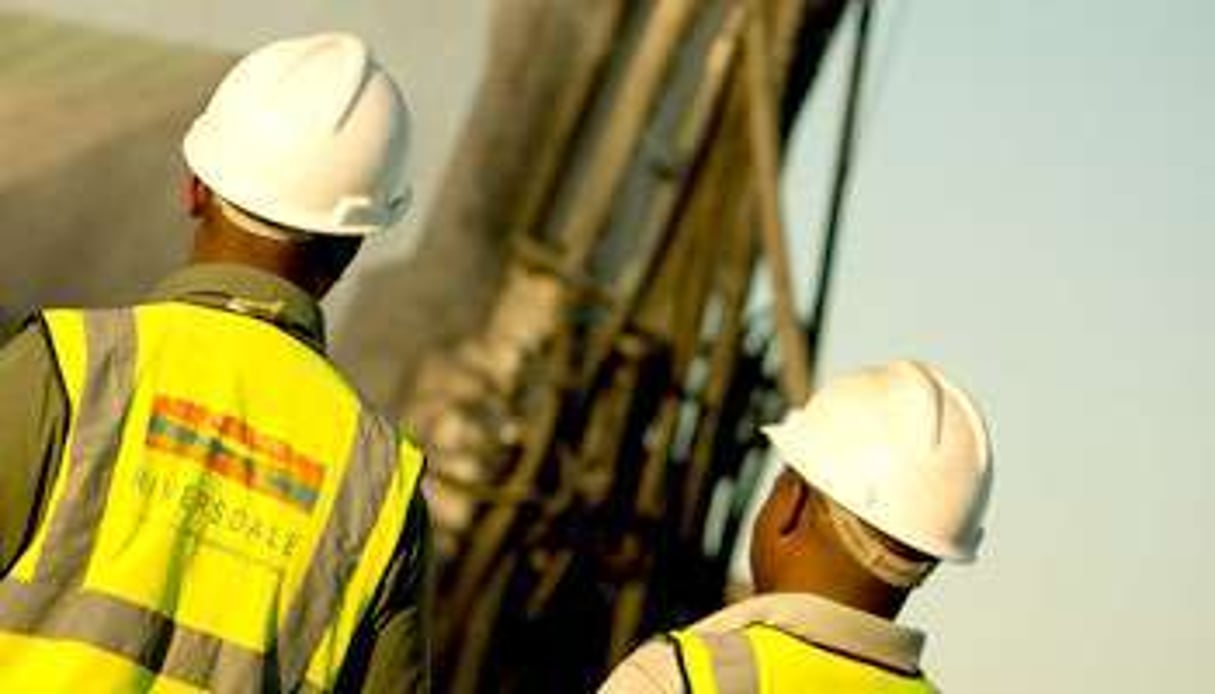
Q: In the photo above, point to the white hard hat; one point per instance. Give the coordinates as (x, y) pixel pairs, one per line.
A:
(309, 133)
(903, 449)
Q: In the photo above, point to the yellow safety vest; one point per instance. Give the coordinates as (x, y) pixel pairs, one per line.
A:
(764, 660)
(224, 510)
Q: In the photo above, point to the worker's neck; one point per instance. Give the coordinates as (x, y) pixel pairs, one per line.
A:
(857, 590)
(216, 243)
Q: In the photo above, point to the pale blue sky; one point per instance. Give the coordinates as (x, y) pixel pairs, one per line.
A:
(1032, 210)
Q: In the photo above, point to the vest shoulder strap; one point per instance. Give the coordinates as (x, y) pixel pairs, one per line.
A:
(763, 659)
(717, 662)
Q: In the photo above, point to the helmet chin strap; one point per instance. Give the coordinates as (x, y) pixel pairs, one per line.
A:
(255, 226)
(868, 549)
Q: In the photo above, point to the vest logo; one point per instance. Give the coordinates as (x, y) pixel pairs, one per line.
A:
(229, 447)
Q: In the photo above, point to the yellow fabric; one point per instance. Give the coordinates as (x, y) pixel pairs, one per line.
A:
(183, 533)
(32, 664)
(788, 665)
(696, 661)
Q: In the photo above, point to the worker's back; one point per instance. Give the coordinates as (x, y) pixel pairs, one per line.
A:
(223, 513)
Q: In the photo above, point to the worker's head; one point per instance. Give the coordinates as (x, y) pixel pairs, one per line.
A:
(302, 149)
(888, 471)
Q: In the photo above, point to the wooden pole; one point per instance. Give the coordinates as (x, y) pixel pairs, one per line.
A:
(839, 190)
(764, 134)
(610, 156)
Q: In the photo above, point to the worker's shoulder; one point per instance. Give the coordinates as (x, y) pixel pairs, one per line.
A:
(652, 668)
(23, 336)
(27, 351)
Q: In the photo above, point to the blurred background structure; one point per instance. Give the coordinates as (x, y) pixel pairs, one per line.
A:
(1030, 208)
(629, 153)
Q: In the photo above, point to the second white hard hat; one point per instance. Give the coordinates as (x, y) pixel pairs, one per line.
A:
(310, 133)
(903, 449)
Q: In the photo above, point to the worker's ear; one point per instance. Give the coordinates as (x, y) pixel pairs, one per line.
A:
(788, 506)
(797, 507)
(196, 196)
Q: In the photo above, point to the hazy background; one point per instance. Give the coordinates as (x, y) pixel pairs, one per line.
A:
(1031, 211)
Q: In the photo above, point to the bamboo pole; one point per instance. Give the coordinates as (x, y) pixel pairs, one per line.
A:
(582, 75)
(492, 530)
(480, 634)
(676, 302)
(764, 135)
(734, 282)
(610, 155)
(839, 189)
(692, 137)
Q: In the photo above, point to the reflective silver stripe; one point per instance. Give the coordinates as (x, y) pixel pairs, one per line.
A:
(96, 437)
(143, 636)
(733, 660)
(373, 461)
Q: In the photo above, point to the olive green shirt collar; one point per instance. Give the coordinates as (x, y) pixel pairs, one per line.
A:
(828, 624)
(247, 291)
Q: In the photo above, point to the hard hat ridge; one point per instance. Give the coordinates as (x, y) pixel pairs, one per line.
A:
(348, 63)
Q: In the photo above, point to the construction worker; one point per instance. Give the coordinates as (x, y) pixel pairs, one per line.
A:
(888, 472)
(191, 496)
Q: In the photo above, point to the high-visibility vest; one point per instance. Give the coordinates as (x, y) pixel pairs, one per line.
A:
(224, 510)
(764, 660)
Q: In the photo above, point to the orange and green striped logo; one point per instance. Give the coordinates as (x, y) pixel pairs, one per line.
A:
(229, 447)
